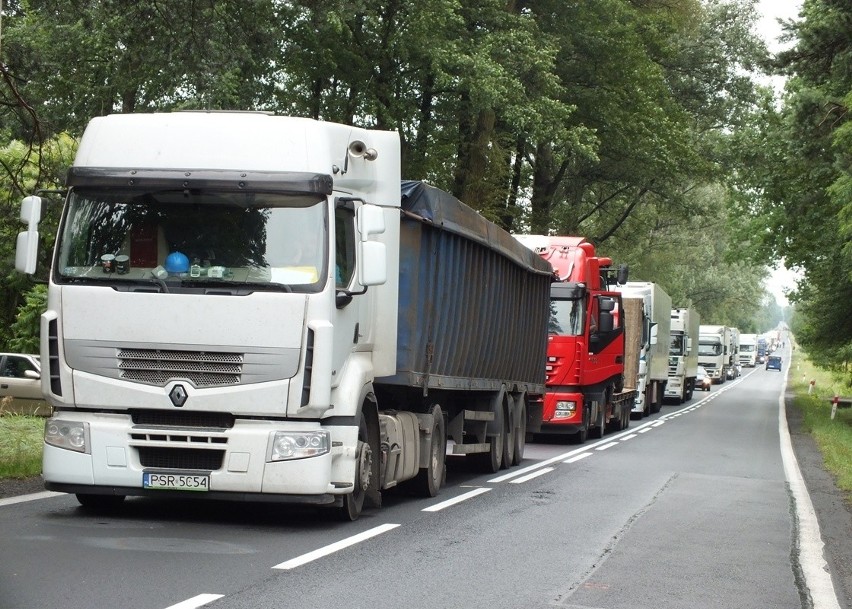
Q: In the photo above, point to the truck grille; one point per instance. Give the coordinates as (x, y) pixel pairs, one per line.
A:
(202, 368)
(184, 418)
(181, 458)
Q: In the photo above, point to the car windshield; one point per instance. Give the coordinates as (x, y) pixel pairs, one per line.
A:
(194, 236)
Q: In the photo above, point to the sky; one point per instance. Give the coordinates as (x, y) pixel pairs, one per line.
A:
(769, 29)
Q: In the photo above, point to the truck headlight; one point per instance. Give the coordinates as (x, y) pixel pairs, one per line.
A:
(71, 435)
(565, 409)
(287, 445)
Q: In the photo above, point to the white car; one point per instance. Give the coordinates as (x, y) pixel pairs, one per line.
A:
(20, 376)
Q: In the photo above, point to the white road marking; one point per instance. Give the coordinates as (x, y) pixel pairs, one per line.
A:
(536, 474)
(334, 547)
(630, 437)
(464, 497)
(196, 601)
(811, 559)
(646, 430)
(658, 423)
(605, 446)
(576, 458)
(30, 497)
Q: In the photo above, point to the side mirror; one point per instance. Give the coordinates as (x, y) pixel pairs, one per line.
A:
(621, 276)
(26, 245)
(654, 333)
(372, 262)
(32, 374)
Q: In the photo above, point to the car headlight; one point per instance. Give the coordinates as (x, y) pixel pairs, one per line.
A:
(71, 435)
(288, 445)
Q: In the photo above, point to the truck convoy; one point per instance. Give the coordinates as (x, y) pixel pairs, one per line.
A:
(254, 307)
(654, 346)
(748, 350)
(591, 381)
(714, 351)
(683, 354)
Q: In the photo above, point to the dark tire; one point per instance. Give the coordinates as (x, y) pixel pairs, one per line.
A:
(491, 461)
(100, 502)
(519, 434)
(353, 503)
(430, 479)
(509, 428)
(598, 430)
(581, 436)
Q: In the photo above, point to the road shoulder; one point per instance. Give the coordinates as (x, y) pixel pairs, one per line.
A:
(833, 510)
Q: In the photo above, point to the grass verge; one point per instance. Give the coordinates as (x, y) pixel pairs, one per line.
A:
(834, 437)
(21, 439)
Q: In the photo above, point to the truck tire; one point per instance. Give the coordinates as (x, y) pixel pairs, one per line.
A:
(429, 479)
(491, 461)
(519, 433)
(599, 428)
(581, 436)
(506, 404)
(353, 503)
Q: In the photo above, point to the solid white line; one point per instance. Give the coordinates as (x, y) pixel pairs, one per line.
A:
(605, 446)
(464, 497)
(576, 458)
(540, 472)
(332, 548)
(30, 497)
(196, 601)
(630, 437)
(814, 567)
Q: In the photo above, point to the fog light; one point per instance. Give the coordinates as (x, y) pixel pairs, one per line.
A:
(70, 435)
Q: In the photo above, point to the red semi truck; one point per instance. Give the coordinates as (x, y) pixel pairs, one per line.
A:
(591, 377)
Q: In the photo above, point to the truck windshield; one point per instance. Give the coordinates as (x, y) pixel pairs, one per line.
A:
(709, 348)
(191, 237)
(676, 344)
(566, 317)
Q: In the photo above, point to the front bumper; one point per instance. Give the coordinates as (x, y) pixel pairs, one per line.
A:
(119, 452)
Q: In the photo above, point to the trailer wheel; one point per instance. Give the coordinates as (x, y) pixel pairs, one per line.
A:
(509, 429)
(353, 503)
(492, 461)
(429, 479)
(519, 432)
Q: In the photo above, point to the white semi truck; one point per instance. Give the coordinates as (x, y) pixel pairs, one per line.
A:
(654, 345)
(683, 354)
(748, 350)
(714, 351)
(253, 307)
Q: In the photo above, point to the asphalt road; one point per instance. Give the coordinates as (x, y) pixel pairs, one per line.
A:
(688, 508)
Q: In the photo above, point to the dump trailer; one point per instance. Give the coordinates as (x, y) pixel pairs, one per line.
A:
(653, 346)
(244, 306)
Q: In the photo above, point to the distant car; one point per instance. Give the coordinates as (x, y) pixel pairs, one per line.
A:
(20, 376)
(773, 363)
(702, 379)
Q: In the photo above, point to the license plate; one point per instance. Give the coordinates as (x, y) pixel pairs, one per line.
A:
(176, 482)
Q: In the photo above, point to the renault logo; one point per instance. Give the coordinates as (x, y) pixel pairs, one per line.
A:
(178, 395)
